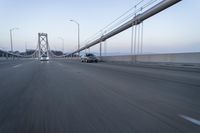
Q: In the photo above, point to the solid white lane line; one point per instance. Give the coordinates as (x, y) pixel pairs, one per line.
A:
(17, 66)
(197, 122)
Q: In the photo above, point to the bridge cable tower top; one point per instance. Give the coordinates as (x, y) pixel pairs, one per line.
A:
(43, 44)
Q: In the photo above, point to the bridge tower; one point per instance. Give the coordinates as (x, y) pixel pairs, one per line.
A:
(43, 44)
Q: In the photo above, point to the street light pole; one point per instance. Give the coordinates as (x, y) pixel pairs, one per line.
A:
(11, 41)
(78, 34)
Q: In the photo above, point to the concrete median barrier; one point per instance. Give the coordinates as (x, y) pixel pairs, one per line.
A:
(186, 58)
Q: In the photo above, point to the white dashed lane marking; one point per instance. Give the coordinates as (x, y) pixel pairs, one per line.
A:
(197, 122)
(17, 66)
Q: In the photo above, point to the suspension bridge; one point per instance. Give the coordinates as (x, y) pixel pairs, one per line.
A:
(122, 94)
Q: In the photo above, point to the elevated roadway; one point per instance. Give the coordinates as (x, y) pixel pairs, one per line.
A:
(62, 96)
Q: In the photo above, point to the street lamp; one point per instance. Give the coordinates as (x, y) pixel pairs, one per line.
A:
(78, 34)
(11, 41)
(63, 42)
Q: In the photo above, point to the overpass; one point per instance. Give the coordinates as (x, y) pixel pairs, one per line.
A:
(122, 94)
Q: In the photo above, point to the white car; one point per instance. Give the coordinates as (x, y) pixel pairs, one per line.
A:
(44, 58)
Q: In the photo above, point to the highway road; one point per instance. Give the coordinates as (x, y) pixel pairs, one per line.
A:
(63, 96)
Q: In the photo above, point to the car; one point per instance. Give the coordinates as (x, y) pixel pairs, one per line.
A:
(89, 58)
(44, 58)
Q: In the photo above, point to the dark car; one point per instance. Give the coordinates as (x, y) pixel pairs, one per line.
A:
(89, 58)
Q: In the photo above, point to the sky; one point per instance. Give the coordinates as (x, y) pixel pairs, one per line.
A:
(174, 30)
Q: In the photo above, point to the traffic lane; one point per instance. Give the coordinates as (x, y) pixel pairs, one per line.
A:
(14, 78)
(88, 108)
(16, 95)
(11, 63)
(12, 70)
(173, 98)
(178, 75)
(12, 87)
(162, 76)
(54, 102)
(59, 99)
(37, 108)
(177, 83)
(7, 62)
(184, 80)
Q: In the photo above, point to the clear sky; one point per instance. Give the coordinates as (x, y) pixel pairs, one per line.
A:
(173, 30)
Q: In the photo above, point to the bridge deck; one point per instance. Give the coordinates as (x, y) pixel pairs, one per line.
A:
(69, 96)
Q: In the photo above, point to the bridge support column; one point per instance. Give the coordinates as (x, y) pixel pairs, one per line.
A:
(100, 50)
(105, 48)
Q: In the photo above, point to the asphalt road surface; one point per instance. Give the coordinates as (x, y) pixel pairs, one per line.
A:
(63, 96)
